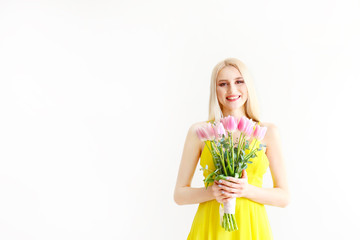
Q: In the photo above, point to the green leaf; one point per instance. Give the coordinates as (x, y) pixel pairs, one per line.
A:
(235, 155)
(226, 155)
(218, 177)
(209, 177)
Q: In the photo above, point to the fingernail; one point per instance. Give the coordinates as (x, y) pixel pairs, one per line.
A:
(227, 178)
(222, 192)
(219, 185)
(220, 181)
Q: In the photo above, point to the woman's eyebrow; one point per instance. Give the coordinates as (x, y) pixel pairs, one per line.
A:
(225, 80)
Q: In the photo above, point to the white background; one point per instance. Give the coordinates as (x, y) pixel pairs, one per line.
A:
(96, 98)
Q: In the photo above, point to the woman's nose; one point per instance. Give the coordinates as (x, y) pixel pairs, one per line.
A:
(232, 87)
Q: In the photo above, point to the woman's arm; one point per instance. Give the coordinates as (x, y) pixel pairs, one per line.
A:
(278, 195)
(184, 193)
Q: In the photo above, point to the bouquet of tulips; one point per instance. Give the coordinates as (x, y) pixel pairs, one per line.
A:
(228, 159)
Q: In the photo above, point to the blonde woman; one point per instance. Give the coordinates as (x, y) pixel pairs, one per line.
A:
(232, 93)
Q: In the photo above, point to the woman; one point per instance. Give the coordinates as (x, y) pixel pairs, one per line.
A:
(232, 93)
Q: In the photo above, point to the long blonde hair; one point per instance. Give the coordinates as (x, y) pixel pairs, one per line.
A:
(251, 105)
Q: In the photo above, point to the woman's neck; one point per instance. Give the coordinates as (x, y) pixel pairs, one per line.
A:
(237, 114)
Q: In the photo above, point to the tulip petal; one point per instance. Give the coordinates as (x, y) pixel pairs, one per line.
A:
(263, 132)
(242, 123)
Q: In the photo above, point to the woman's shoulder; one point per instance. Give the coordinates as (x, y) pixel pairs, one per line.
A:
(272, 132)
(269, 125)
(196, 125)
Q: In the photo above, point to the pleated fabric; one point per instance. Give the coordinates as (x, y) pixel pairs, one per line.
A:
(251, 217)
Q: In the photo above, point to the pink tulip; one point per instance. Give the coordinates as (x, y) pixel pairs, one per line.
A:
(229, 123)
(206, 132)
(257, 131)
(219, 130)
(242, 123)
(210, 131)
(201, 133)
(249, 128)
(262, 133)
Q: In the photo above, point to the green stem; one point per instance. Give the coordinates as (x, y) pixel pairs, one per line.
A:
(230, 223)
(222, 161)
(232, 155)
(227, 223)
(228, 159)
(224, 223)
(251, 152)
(254, 145)
(239, 145)
(235, 223)
(210, 153)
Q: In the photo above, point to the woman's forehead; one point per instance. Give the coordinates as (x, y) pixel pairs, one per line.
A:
(228, 73)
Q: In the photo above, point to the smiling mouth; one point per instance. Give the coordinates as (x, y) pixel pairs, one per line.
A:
(233, 98)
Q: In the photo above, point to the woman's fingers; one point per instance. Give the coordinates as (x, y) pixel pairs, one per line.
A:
(228, 194)
(226, 199)
(220, 194)
(224, 190)
(231, 192)
(216, 191)
(232, 187)
(233, 180)
(228, 189)
(244, 174)
(227, 183)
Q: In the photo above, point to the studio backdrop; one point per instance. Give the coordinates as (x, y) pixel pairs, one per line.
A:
(96, 98)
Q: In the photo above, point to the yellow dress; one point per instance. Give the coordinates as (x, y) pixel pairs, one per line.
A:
(251, 217)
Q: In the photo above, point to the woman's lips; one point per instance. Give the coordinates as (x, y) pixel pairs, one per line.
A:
(233, 100)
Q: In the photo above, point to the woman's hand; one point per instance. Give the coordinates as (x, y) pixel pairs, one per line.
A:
(233, 187)
(217, 192)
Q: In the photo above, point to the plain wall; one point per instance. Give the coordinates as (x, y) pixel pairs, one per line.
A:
(96, 98)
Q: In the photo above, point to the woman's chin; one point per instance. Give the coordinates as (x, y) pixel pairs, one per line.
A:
(233, 108)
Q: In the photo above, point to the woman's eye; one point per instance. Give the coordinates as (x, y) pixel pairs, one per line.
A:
(238, 82)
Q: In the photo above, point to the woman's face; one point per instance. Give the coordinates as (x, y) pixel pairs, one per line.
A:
(231, 89)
